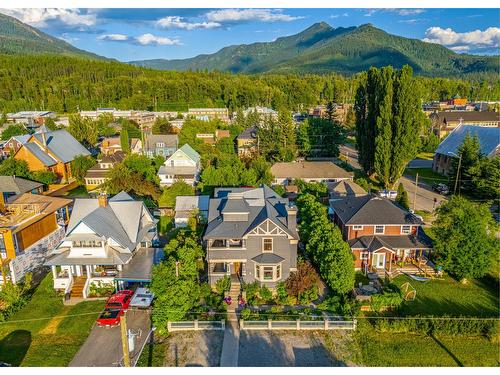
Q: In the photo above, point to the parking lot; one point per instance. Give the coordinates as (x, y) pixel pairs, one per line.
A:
(103, 347)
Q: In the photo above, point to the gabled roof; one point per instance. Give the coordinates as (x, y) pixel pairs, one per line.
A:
(249, 133)
(374, 243)
(249, 208)
(489, 139)
(62, 144)
(170, 140)
(40, 154)
(371, 210)
(123, 219)
(348, 188)
(190, 152)
(22, 139)
(188, 203)
(17, 185)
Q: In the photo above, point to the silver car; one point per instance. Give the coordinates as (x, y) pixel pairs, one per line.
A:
(142, 298)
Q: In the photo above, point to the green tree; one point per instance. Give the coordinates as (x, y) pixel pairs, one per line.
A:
(50, 123)
(464, 238)
(79, 167)
(485, 177)
(170, 193)
(470, 153)
(13, 130)
(83, 129)
(402, 197)
(14, 167)
(45, 177)
(162, 126)
(120, 177)
(125, 141)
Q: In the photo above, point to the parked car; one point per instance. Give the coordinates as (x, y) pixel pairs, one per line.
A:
(441, 188)
(115, 307)
(392, 194)
(142, 298)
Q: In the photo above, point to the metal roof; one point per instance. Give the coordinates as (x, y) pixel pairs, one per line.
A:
(489, 139)
(190, 152)
(62, 144)
(40, 154)
(188, 203)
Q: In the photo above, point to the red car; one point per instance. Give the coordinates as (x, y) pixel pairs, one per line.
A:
(115, 307)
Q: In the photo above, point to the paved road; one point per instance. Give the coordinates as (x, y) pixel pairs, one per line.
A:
(425, 195)
(103, 347)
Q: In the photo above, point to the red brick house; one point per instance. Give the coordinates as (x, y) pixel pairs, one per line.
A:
(382, 235)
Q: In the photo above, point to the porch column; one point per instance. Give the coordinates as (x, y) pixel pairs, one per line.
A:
(119, 267)
(89, 271)
(390, 263)
(54, 272)
(78, 270)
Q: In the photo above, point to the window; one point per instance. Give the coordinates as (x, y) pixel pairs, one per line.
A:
(267, 245)
(363, 256)
(268, 273)
(379, 229)
(87, 243)
(278, 271)
(160, 144)
(257, 272)
(405, 229)
(357, 227)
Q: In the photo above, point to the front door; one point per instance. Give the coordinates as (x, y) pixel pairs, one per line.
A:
(237, 268)
(379, 260)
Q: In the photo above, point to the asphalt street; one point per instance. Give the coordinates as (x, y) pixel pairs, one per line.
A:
(424, 194)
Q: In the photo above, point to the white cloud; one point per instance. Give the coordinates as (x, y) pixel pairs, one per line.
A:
(176, 22)
(150, 39)
(408, 12)
(113, 37)
(245, 15)
(339, 15)
(460, 42)
(39, 17)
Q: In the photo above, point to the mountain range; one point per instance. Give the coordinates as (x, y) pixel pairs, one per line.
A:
(318, 49)
(322, 49)
(17, 38)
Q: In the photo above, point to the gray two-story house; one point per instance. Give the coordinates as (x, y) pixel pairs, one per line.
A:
(251, 236)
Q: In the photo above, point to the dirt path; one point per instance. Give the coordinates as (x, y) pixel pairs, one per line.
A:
(194, 349)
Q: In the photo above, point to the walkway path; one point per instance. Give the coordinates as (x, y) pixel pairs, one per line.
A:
(231, 344)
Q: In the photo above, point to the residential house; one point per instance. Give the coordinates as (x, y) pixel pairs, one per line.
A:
(345, 189)
(380, 233)
(444, 122)
(251, 236)
(51, 151)
(144, 119)
(11, 187)
(188, 206)
(30, 227)
(160, 145)
(97, 175)
(309, 171)
(262, 112)
(183, 164)
(207, 114)
(489, 141)
(211, 138)
(103, 237)
(14, 144)
(113, 144)
(246, 142)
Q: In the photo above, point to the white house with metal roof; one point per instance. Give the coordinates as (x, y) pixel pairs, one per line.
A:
(102, 237)
(183, 164)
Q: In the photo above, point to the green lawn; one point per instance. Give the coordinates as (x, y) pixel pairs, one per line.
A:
(54, 338)
(153, 355)
(79, 192)
(425, 155)
(450, 297)
(407, 350)
(426, 175)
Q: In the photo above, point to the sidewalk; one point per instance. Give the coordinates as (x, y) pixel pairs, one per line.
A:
(231, 344)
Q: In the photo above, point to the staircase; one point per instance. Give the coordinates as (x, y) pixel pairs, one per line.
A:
(234, 293)
(78, 286)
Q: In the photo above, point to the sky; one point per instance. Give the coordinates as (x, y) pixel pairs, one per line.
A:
(139, 34)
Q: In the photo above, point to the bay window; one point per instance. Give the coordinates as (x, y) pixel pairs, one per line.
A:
(268, 272)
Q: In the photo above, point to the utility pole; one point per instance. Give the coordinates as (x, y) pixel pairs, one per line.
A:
(458, 172)
(123, 328)
(415, 195)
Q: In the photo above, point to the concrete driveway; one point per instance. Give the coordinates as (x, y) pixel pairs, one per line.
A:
(103, 347)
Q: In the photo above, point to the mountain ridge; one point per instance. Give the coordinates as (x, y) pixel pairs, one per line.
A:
(321, 48)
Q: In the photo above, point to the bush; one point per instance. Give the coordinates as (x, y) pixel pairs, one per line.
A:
(309, 295)
(266, 294)
(302, 280)
(252, 291)
(245, 314)
(363, 183)
(281, 293)
(223, 285)
(101, 289)
(387, 299)
(13, 297)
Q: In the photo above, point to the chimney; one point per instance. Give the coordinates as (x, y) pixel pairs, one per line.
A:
(102, 199)
(291, 217)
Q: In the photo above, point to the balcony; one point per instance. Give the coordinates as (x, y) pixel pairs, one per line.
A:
(220, 244)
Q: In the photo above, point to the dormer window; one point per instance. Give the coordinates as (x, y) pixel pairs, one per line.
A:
(267, 245)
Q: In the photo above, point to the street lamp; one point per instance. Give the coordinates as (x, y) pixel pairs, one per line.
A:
(458, 169)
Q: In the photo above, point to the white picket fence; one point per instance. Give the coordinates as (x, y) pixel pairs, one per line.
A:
(299, 325)
(197, 325)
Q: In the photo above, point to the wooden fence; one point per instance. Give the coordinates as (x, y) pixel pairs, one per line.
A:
(197, 325)
(298, 325)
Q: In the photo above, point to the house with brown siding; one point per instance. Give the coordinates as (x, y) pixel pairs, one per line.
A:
(380, 233)
(51, 151)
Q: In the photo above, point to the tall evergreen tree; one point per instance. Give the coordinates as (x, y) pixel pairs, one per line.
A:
(125, 141)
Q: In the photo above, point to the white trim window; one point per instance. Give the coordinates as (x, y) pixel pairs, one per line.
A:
(357, 227)
(379, 229)
(267, 245)
(363, 255)
(405, 229)
(268, 272)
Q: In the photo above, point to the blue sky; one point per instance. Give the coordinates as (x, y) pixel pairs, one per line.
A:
(136, 34)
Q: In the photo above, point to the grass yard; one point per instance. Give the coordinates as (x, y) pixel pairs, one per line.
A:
(426, 175)
(54, 338)
(425, 155)
(409, 350)
(449, 297)
(79, 192)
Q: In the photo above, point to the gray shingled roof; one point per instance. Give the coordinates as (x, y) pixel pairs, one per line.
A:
(373, 243)
(249, 133)
(113, 258)
(17, 185)
(268, 258)
(261, 204)
(466, 116)
(371, 210)
(63, 145)
(309, 169)
(170, 140)
(489, 139)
